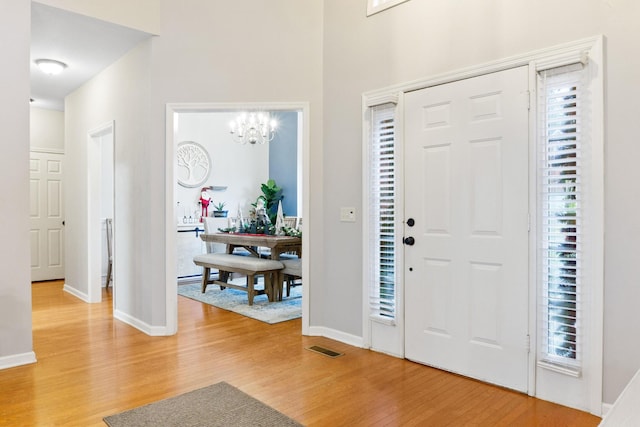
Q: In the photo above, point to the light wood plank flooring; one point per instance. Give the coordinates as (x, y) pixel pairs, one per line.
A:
(90, 366)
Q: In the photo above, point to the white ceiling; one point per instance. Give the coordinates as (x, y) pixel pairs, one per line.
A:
(85, 44)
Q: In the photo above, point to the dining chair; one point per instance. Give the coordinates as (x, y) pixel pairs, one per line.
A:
(109, 228)
(292, 273)
(291, 221)
(209, 228)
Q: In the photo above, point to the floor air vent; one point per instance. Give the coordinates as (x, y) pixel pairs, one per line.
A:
(324, 351)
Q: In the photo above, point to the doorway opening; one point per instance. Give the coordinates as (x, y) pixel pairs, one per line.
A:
(237, 196)
(100, 209)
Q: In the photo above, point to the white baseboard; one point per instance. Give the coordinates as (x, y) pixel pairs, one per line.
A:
(14, 360)
(320, 331)
(73, 291)
(189, 280)
(154, 331)
(625, 411)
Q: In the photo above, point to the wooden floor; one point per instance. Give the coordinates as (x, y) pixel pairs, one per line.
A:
(90, 366)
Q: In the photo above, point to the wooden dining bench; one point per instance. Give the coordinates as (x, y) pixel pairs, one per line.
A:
(247, 265)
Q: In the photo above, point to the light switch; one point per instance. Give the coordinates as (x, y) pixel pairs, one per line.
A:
(348, 214)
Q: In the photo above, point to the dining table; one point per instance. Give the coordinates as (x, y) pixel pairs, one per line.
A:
(251, 242)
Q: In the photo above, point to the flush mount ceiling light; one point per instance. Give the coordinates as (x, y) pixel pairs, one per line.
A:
(50, 66)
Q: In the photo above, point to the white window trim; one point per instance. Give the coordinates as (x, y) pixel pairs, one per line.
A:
(375, 6)
(547, 172)
(376, 113)
(386, 329)
(556, 382)
(536, 60)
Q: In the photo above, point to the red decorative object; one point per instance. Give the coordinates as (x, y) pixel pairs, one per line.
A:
(205, 199)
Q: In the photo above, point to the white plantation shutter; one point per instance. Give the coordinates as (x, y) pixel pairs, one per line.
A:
(382, 212)
(563, 187)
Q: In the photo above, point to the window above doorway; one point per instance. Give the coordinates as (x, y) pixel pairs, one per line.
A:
(375, 6)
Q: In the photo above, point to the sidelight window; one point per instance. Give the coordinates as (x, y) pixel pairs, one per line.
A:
(564, 148)
(382, 212)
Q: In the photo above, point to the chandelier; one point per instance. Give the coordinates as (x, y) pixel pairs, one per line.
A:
(254, 128)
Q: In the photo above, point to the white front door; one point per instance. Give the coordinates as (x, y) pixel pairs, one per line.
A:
(466, 276)
(47, 233)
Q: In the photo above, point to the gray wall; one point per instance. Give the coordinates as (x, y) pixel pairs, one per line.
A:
(193, 60)
(16, 346)
(46, 129)
(123, 95)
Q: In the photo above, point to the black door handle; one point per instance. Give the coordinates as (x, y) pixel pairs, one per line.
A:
(409, 241)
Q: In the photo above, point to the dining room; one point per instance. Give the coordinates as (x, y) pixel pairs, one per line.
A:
(221, 177)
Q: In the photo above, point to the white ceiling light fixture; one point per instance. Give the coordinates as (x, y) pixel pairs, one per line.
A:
(50, 66)
(254, 128)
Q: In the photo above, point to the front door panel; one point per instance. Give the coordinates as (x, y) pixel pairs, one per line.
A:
(466, 278)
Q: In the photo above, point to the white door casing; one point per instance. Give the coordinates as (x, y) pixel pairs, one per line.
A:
(97, 139)
(466, 187)
(46, 216)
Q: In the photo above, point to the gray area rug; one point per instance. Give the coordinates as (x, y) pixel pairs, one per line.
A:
(220, 404)
(236, 301)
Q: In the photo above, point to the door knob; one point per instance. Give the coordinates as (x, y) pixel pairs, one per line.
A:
(409, 241)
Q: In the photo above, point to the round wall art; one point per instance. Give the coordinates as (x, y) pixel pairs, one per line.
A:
(194, 164)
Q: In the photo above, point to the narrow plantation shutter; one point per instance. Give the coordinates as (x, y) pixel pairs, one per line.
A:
(382, 292)
(562, 101)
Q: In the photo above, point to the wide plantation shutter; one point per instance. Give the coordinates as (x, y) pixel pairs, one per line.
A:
(563, 143)
(382, 211)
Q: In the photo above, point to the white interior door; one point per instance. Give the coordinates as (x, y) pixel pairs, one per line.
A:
(466, 276)
(47, 234)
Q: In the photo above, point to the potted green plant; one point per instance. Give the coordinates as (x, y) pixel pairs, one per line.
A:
(271, 195)
(218, 210)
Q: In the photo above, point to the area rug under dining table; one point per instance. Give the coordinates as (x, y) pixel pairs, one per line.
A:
(219, 404)
(234, 300)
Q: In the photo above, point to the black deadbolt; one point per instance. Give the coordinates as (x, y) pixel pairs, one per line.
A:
(411, 222)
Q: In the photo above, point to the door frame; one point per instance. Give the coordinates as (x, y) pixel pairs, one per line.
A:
(171, 186)
(94, 226)
(392, 332)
